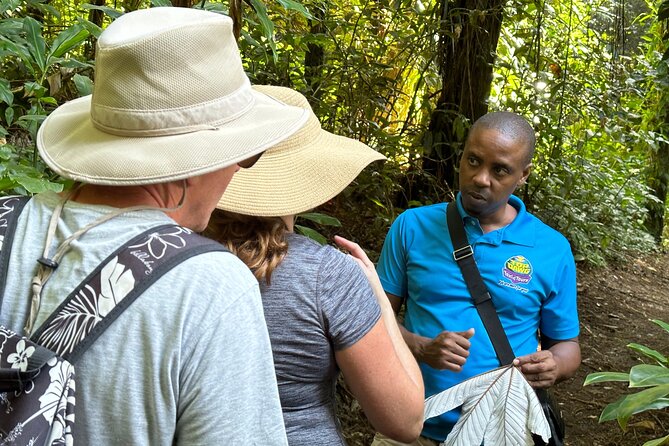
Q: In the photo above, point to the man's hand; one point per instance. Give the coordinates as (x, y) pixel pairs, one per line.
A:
(448, 351)
(539, 368)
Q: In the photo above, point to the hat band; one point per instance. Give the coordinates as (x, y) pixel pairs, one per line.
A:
(175, 121)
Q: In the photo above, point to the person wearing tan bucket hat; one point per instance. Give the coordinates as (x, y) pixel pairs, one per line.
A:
(322, 312)
(171, 119)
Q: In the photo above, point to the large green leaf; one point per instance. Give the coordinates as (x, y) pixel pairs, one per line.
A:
(623, 408)
(649, 352)
(9, 5)
(266, 23)
(664, 441)
(661, 324)
(35, 185)
(84, 84)
(646, 375)
(6, 94)
(36, 43)
(295, 6)
(19, 47)
(321, 219)
(68, 39)
(92, 28)
(10, 26)
(9, 115)
(111, 12)
(600, 377)
(312, 234)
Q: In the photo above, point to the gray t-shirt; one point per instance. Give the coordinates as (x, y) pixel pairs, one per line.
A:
(189, 362)
(319, 301)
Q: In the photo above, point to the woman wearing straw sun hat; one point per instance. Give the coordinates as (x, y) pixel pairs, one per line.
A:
(322, 314)
(171, 119)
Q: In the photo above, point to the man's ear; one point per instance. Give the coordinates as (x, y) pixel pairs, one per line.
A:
(526, 173)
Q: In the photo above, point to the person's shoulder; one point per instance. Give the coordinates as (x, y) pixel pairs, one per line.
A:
(302, 246)
(320, 256)
(548, 235)
(422, 213)
(428, 209)
(218, 270)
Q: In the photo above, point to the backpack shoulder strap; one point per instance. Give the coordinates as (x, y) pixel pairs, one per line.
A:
(463, 254)
(10, 208)
(115, 284)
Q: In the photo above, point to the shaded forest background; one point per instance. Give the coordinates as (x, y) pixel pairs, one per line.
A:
(408, 77)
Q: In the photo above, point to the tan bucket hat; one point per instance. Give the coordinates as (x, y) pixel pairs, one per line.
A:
(300, 173)
(171, 100)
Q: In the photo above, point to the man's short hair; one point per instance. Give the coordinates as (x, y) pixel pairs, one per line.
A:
(511, 125)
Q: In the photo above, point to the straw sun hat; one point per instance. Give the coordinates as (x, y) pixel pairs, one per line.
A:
(302, 172)
(171, 100)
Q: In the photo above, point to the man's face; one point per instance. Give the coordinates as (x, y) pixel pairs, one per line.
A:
(491, 168)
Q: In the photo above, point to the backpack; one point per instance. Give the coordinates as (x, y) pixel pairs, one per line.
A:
(37, 375)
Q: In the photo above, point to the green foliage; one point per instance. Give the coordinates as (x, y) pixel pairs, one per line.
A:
(652, 378)
(35, 70)
(561, 66)
(371, 71)
(35, 73)
(18, 175)
(320, 220)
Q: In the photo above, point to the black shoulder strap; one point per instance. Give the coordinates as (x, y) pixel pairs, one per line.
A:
(10, 208)
(464, 257)
(115, 284)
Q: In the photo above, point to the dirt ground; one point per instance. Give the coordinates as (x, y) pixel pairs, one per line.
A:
(616, 305)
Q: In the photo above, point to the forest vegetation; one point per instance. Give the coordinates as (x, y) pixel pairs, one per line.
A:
(408, 77)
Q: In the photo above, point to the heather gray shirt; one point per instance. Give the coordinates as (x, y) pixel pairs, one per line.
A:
(189, 362)
(319, 301)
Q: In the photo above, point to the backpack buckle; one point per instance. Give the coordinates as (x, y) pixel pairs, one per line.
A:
(463, 253)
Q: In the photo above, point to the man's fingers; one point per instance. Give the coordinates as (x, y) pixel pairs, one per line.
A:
(467, 334)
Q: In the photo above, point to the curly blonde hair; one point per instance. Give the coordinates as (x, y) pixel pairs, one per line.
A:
(260, 242)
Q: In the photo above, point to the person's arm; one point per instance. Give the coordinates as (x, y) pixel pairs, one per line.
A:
(560, 355)
(379, 368)
(555, 362)
(448, 351)
(387, 311)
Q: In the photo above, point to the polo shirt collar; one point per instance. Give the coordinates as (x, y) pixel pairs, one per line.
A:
(521, 231)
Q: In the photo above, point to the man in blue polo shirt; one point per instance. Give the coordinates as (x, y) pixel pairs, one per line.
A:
(527, 266)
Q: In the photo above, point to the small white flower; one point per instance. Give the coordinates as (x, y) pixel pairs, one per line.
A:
(19, 359)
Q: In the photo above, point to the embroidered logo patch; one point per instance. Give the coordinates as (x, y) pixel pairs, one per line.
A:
(518, 270)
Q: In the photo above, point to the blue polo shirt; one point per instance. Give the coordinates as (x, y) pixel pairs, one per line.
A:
(527, 266)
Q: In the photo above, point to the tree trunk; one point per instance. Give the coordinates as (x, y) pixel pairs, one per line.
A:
(659, 183)
(315, 55)
(468, 42)
(96, 16)
(183, 3)
(658, 170)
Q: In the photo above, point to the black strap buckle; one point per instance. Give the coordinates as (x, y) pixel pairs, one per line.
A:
(47, 262)
(463, 253)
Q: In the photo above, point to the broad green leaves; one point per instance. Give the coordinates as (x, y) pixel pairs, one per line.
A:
(320, 219)
(654, 379)
(17, 175)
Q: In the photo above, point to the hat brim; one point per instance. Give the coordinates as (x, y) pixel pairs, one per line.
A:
(299, 178)
(71, 146)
